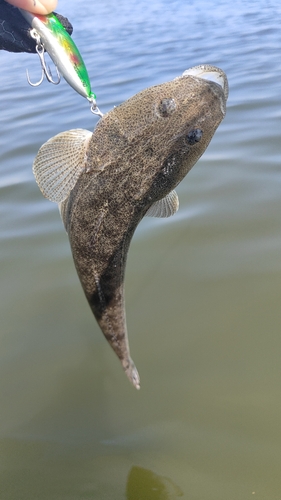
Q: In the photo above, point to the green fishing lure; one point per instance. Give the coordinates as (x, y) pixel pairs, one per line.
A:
(50, 35)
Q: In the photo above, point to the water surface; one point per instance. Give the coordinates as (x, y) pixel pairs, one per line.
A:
(202, 288)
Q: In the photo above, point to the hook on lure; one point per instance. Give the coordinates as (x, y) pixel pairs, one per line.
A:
(51, 36)
(45, 70)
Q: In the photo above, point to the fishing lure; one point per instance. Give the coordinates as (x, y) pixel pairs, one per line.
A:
(50, 35)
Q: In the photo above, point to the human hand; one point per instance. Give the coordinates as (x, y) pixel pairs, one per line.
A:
(35, 6)
(15, 31)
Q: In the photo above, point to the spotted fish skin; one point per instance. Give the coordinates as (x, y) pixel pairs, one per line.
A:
(134, 159)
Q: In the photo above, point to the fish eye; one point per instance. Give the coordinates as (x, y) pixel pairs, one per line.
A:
(166, 107)
(194, 136)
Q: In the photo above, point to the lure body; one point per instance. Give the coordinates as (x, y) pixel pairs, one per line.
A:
(63, 51)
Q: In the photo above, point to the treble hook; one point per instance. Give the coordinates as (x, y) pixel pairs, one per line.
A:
(45, 70)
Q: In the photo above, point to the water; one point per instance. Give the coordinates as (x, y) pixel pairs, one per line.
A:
(203, 288)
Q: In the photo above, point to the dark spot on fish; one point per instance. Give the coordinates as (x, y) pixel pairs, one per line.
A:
(165, 179)
(148, 152)
(167, 107)
(194, 136)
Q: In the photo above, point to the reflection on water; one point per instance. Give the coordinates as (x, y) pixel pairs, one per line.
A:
(202, 288)
(143, 484)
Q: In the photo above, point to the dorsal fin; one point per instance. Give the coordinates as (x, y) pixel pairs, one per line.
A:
(165, 207)
(59, 163)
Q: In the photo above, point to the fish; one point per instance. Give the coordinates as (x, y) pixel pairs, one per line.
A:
(50, 35)
(106, 181)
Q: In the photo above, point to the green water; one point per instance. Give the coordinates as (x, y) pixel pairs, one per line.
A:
(203, 288)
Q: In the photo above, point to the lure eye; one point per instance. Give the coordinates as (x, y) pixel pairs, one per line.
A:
(194, 136)
(166, 107)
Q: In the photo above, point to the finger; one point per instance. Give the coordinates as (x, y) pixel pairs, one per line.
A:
(35, 6)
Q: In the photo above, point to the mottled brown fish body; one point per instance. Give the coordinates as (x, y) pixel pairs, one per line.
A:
(136, 156)
(100, 231)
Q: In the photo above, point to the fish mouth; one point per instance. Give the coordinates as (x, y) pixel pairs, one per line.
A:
(211, 73)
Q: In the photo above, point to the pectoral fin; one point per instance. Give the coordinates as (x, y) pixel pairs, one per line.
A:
(165, 207)
(60, 162)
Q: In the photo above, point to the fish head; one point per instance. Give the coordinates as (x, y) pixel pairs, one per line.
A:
(162, 131)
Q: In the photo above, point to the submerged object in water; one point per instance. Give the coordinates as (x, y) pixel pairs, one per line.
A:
(105, 182)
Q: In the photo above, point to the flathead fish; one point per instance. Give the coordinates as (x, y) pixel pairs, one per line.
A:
(105, 182)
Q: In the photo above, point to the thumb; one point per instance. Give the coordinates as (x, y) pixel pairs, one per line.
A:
(35, 6)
